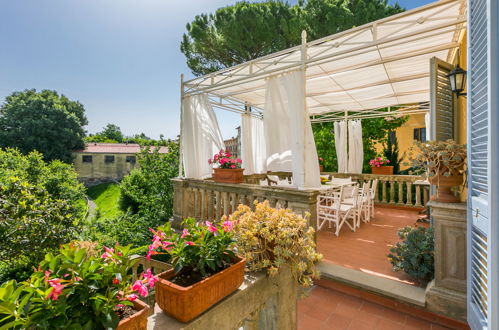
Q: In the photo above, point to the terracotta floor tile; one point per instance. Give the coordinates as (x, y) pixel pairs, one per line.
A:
(386, 324)
(357, 324)
(367, 248)
(306, 322)
(413, 323)
(438, 327)
(319, 312)
(338, 321)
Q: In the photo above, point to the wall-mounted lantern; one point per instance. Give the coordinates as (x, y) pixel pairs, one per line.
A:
(457, 78)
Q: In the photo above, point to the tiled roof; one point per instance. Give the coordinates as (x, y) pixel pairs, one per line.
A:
(115, 148)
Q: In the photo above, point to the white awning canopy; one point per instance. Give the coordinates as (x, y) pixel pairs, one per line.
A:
(381, 64)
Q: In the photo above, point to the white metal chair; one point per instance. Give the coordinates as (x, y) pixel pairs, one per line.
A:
(373, 190)
(330, 209)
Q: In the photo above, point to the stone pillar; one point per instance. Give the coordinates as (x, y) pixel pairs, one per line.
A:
(446, 294)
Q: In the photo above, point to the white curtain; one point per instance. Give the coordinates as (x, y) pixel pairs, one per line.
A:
(288, 132)
(340, 142)
(253, 151)
(427, 121)
(201, 137)
(355, 147)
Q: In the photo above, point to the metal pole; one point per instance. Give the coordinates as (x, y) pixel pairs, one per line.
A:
(180, 153)
(304, 90)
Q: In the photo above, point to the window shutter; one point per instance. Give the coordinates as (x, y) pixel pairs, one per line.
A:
(483, 165)
(441, 101)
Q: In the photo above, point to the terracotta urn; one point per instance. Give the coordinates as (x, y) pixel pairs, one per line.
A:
(384, 170)
(228, 175)
(444, 186)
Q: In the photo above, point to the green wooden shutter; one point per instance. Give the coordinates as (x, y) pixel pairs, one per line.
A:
(443, 117)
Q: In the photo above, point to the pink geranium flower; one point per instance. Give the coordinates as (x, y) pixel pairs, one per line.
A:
(185, 233)
(150, 278)
(108, 254)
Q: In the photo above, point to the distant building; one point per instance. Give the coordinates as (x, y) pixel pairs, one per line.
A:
(233, 145)
(100, 162)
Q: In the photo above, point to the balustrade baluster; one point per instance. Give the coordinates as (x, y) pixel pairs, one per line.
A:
(211, 205)
(418, 195)
(384, 200)
(401, 192)
(203, 205)
(218, 206)
(226, 205)
(392, 192)
(409, 193)
(233, 203)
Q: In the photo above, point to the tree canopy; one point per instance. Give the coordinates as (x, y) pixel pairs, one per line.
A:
(44, 121)
(245, 31)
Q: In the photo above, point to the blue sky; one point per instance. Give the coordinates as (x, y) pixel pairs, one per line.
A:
(120, 58)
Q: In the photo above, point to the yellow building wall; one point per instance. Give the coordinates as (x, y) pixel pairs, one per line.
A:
(98, 169)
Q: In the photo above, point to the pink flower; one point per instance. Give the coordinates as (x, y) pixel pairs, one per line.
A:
(190, 243)
(210, 161)
(108, 254)
(140, 288)
(379, 158)
(211, 228)
(156, 242)
(132, 297)
(232, 166)
(57, 288)
(150, 278)
(239, 161)
(65, 275)
(167, 245)
(227, 154)
(227, 226)
(185, 233)
(120, 305)
(150, 253)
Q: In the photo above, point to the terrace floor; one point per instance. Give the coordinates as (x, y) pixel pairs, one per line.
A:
(367, 248)
(330, 309)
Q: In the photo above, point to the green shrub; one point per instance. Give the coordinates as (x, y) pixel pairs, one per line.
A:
(74, 289)
(148, 191)
(32, 223)
(414, 254)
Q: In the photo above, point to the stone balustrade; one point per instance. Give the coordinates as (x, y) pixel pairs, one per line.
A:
(209, 200)
(397, 190)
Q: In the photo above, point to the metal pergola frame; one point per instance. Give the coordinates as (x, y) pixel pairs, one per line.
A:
(299, 57)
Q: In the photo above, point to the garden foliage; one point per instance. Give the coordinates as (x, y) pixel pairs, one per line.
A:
(202, 247)
(270, 238)
(148, 191)
(414, 254)
(44, 121)
(41, 207)
(73, 290)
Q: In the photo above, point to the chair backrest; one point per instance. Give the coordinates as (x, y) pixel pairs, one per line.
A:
(355, 195)
(366, 190)
(374, 187)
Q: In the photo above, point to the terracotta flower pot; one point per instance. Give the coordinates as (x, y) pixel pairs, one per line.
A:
(228, 175)
(137, 321)
(444, 187)
(185, 303)
(384, 170)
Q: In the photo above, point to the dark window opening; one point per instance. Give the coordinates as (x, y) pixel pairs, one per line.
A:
(130, 159)
(392, 137)
(420, 134)
(109, 159)
(86, 159)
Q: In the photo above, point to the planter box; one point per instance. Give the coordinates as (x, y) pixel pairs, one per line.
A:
(137, 321)
(185, 303)
(228, 175)
(384, 170)
(444, 187)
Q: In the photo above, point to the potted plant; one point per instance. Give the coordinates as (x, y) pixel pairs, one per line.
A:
(205, 269)
(229, 169)
(76, 290)
(379, 165)
(270, 238)
(445, 166)
(321, 164)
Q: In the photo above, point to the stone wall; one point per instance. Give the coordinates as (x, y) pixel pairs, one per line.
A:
(99, 171)
(262, 302)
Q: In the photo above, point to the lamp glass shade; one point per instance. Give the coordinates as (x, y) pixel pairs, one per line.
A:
(457, 79)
